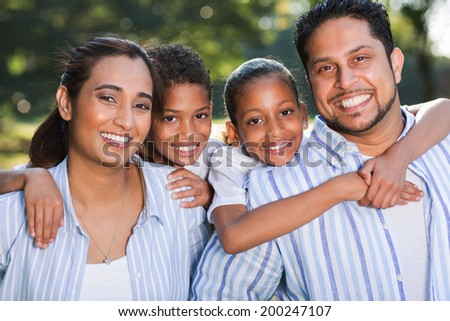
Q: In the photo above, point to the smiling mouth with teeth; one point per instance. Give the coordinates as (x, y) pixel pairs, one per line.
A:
(185, 149)
(354, 101)
(278, 148)
(117, 140)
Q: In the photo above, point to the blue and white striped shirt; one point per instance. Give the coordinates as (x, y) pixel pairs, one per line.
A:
(162, 252)
(347, 253)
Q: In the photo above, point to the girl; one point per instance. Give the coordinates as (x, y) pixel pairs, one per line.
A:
(267, 121)
(116, 243)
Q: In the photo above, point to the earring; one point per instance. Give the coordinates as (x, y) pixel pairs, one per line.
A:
(305, 124)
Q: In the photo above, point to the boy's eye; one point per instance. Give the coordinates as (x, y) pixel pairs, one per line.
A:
(254, 121)
(169, 118)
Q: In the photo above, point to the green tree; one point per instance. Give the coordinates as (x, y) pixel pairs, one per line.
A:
(33, 31)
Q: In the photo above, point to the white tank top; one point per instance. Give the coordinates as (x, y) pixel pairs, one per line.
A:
(104, 282)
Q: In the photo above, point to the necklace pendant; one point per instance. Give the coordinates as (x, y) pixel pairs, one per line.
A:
(107, 261)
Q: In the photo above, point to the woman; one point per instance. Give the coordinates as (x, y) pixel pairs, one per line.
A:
(123, 237)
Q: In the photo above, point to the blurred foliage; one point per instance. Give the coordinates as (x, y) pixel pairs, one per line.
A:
(225, 33)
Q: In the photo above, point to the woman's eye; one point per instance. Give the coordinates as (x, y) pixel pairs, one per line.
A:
(142, 106)
(108, 99)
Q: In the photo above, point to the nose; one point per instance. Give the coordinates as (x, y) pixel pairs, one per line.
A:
(346, 77)
(187, 130)
(124, 118)
(275, 129)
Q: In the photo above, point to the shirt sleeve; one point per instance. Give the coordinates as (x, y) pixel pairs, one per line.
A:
(12, 220)
(251, 275)
(228, 173)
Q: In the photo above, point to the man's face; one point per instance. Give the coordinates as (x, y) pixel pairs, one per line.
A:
(352, 80)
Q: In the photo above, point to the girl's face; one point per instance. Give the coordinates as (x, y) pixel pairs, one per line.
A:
(270, 120)
(180, 134)
(112, 115)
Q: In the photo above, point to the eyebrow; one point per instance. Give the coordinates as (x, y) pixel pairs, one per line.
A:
(349, 52)
(119, 89)
(176, 111)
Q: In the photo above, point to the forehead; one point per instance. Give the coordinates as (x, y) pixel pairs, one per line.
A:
(122, 71)
(338, 36)
(265, 83)
(186, 97)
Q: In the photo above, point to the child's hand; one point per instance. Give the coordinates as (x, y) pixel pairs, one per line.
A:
(200, 189)
(387, 185)
(44, 205)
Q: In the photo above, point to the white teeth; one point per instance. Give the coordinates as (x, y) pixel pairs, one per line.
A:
(347, 103)
(118, 138)
(281, 146)
(187, 148)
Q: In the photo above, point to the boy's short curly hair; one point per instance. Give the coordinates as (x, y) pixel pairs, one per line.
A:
(178, 64)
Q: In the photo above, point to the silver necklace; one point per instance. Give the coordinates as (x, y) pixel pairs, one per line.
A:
(107, 259)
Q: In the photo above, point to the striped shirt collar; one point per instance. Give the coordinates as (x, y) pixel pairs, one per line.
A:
(327, 137)
(71, 222)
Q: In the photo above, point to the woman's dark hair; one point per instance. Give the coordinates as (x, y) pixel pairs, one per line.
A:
(372, 12)
(49, 145)
(177, 64)
(248, 72)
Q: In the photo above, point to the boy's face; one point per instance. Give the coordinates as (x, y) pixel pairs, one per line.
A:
(182, 131)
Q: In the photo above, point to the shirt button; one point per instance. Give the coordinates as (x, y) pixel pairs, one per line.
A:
(137, 275)
(385, 226)
(348, 148)
(400, 278)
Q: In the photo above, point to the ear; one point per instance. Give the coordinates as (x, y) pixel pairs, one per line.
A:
(304, 114)
(64, 104)
(233, 136)
(397, 60)
(308, 81)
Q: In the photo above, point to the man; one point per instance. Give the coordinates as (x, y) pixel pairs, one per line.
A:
(350, 252)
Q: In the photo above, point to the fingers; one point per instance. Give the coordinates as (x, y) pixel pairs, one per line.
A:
(180, 173)
(43, 222)
(366, 171)
(410, 193)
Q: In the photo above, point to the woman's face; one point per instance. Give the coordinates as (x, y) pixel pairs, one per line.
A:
(112, 115)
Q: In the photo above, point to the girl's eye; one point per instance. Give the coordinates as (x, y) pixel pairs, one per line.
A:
(200, 116)
(254, 121)
(169, 118)
(286, 112)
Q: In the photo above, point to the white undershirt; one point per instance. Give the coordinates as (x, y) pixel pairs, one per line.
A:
(406, 224)
(104, 282)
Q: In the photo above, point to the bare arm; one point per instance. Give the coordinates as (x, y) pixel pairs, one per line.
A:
(386, 173)
(239, 230)
(44, 205)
